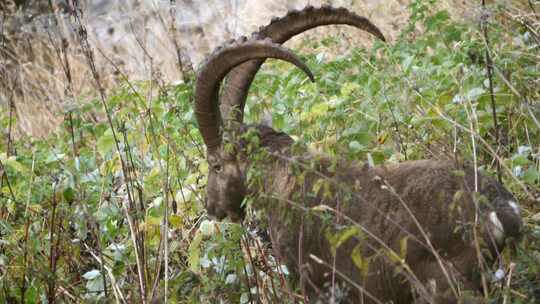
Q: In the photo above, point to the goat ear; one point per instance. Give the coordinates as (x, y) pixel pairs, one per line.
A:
(267, 119)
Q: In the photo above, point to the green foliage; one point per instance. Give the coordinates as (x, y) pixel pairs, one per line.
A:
(72, 200)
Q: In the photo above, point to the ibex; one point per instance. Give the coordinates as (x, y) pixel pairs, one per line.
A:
(422, 231)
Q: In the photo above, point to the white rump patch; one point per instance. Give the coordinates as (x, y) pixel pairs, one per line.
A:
(497, 228)
(514, 206)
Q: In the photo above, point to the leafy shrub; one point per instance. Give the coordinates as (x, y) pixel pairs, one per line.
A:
(107, 210)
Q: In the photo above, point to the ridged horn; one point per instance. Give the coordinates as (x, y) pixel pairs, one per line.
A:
(216, 67)
(280, 30)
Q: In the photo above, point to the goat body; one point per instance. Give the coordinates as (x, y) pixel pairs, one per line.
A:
(415, 221)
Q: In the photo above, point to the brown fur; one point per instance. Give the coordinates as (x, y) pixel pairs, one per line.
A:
(439, 194)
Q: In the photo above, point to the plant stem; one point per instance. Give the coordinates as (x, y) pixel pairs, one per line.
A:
(85, 45)
(52, 250)
(25, 258)
(489, 68)
(10, 127)
(4, 175)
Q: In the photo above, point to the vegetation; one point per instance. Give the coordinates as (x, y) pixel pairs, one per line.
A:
(110, 207)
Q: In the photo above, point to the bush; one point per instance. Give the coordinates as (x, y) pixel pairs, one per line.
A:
(84, 213)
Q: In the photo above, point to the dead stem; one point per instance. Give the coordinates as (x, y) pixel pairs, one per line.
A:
(489, 68)
(85, 45)
(52, 250)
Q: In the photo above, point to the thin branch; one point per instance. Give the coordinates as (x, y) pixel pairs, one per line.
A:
(489, 68)
(115, 288)
(52, 249)
(5, 177)
(85, 45)
(25, 259)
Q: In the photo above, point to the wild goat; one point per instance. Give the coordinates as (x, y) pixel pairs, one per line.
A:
(418, 231)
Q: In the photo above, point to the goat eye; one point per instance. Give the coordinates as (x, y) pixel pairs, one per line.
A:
(217, 168)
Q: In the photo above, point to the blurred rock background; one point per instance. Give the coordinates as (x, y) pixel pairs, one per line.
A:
(44, 72)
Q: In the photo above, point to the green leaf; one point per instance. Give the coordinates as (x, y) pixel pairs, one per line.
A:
(531, 176)
(69, 194)
(12, 163)
(152, 181)
(319, 58)
(520, 160)
(153, 220)
(207, 228)
(54, 157)
(475, 93)
(356, 146)
(194, 253)
(105, 143)
(436, 21)
(348, 88)
(364, 138)
(407, 63)
(95, 286)
(92, 274)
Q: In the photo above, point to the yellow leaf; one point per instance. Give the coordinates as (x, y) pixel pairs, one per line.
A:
(360, 261)
(403, 247)
(394, 257)
(176, 221)
(341, 237)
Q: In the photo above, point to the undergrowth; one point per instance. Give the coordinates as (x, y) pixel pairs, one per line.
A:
(113, 211)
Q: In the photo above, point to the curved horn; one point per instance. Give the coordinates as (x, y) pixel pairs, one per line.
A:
(280, 30)
(216, 68)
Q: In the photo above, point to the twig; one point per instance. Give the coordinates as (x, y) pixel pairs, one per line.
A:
(267, 266)
(473, 121)
(527, 105)
(164, 233)
(173, 31)
(11, 105)
(130, 181)
(346, 278)
(485, 144)
(62, 54)
(25, 258)
(67, 293)
(52, 249)
(4, 175)
(426, 237)
(489, 68)
(114, 286)
(166, 224)
(253, 268)
(401, 143)
(510, 271)
(282, 279)
(408, 271)
(301, 255)
(247, 279)
(490, 150)
(10, 127)
(94, 225)
(85, 45)
(531, 5)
